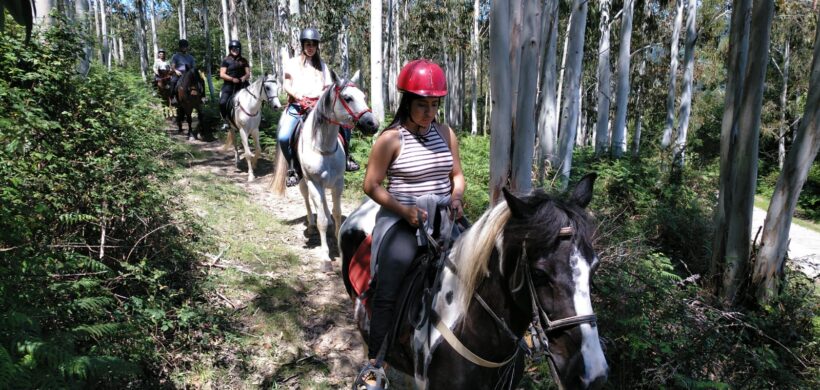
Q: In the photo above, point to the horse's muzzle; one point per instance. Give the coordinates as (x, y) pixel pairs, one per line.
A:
(368, 123)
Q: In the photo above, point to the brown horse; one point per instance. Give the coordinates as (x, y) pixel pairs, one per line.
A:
(189, 92)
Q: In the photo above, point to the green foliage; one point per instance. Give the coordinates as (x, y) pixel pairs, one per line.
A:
(96, 273)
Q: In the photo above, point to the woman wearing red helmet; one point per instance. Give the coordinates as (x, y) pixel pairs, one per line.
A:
(417, 156)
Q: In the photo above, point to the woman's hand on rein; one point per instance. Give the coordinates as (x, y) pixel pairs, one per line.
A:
(411, 215)
(456, 208)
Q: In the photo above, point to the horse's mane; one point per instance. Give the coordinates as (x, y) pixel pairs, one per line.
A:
(496, 228)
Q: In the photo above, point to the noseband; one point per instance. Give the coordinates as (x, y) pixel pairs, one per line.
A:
(354, 117)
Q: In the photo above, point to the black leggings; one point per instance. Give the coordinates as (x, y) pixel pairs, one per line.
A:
(227, 92)
(397, 251)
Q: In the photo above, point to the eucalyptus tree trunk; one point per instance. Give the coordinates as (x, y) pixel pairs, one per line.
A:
(376, 99)
(688, 74)
(344, 45)
(248, 32)
(563, 66)
(735, 255)
(666, 140)
(206, 27)
(152, 14)
(92, 4)
(622, 96)
(572, 86)
(736, 67)
(82, 17)
(392, 53)
(768, 268)
(106, 54)
(141, 46)
(232, 19)
(293, 10)
(42, 19)
(261, 55)
(501, 90)
(226, 28)
(183, 20)
(474, 70)
(547, 104)
(604, 83)
(781, 141)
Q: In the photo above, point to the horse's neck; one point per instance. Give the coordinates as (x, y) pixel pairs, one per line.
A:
(248, 101)
(323, 135)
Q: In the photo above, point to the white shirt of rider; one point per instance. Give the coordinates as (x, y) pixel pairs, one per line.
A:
(160, 65)
(307, 81)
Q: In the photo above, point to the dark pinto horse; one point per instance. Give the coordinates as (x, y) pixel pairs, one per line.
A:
(526, 263)
(189, 92)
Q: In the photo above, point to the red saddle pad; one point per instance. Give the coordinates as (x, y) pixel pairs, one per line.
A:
(359, 268)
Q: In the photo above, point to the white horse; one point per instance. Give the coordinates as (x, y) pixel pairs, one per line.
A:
(245, 117)
(322, 156)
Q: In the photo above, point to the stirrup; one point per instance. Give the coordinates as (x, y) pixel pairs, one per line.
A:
(352, 166)
(371, 373)
(293, 178)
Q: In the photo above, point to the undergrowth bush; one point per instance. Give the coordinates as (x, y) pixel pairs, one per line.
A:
(97, 277)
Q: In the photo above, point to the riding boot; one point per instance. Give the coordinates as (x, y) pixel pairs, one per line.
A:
(351, 164)
(294, 173)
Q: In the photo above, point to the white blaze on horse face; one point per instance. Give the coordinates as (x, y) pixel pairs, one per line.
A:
(594, 361)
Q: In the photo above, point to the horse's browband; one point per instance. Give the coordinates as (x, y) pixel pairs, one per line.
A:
(566, 231)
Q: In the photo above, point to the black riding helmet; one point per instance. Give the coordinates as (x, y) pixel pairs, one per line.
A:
(183, 43)
(235, 44)
(310, 34)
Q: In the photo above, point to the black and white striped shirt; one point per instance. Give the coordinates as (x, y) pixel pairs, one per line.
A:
(422, 167)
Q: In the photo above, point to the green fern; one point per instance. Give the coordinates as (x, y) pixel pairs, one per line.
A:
(90, 305)
(73, 218)
(97, 331)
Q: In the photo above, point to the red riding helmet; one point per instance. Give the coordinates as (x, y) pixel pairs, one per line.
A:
(423, 78)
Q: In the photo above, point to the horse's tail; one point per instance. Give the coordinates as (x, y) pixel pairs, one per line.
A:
(277, 184)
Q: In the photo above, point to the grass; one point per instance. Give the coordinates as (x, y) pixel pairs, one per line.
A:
(256, 277)
(762, 203)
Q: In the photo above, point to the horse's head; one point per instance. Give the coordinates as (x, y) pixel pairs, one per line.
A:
(547, 255)
(270, 87)
(346, 103)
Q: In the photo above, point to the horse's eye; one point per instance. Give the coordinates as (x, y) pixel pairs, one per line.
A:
(348, 99)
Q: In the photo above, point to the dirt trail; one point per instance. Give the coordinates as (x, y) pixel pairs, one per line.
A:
(330, 336)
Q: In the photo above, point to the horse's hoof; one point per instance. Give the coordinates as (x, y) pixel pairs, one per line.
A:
(327, 267)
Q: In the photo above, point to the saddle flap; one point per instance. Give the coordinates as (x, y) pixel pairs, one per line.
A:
(359, 269)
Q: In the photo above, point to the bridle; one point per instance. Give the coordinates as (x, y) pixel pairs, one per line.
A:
(541, 322)
(261, 88)
(354, 117)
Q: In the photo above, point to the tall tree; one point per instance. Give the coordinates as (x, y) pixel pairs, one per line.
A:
(547, 103)
(666, 140)
(232, 19)
(208, 49)
(474, 80)
(226, 28)
(376, 99)
(768, 268)
(623, 87)
(784, 93)
(734, 230)
(248, 31)
(183, 20)
(42, 8)
(82, 17)
(140, 35)
(501, 90)
(152, 14)
(524, 125)
(106, 54)
(688, 75)
(572, 88)
(604, 81)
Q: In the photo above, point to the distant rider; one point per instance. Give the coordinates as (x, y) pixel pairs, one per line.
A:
(181, 61)
(234, 72)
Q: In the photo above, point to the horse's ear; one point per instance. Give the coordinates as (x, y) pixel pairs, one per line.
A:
(582, 194)
(355, 78)
(518, 207)
(334, 77)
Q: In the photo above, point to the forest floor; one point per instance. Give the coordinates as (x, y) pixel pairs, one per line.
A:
(295, 323)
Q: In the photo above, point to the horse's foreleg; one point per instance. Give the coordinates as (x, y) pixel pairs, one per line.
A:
(306, 196)
(180, 117)
(257, 147)
(189, 119)
(248, 157)
(336, 194)
(317, 194)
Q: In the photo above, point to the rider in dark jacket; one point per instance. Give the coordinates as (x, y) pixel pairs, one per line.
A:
(234, 72)
(180, 63)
